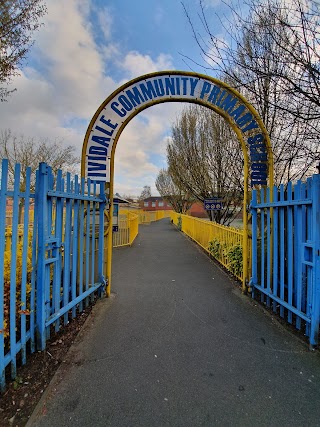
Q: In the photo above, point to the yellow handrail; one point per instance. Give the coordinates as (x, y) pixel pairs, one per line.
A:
(128, 224)
(224, 243)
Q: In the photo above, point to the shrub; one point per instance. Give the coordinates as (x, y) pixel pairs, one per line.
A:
(235, 259)
(215, 248)
(231, 254)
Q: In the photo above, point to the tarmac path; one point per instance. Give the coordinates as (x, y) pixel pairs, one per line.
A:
(179, 345)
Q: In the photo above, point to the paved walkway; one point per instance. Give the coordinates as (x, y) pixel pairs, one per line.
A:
(178, 345)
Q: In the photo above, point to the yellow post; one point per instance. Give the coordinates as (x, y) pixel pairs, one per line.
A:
(245, 252)
(109, 239)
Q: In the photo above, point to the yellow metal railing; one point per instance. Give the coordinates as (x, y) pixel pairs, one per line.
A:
(162, 214)
(129, 221)
(128, 224)
(224, 243)
(146, 217)
(133, 227)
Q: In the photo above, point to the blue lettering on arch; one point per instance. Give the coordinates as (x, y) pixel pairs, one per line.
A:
(228, 103)
(124, 101)
(158, 84)
(170, 85)
(178, 85)
(237, 112)
(121, 112)
(148, 91)
(97, 174)
(102, 140)
(214, 94)
(220, 97)
(94, 166)
(98, 151)
(205, 89)
(243, 120)
(134, 96)
(193, 84)
(184, 85)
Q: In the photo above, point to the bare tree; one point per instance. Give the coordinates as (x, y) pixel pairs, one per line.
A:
(205, 160)
(271, 54)
(293, 29)
(18, 21)
(179, 199)
(29, 152)
(145, 193)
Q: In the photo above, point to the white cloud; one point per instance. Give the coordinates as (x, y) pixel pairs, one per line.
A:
(71, 58)
(211, 57)
(66, 82)
(141, 140)
(110, 51)
(105, 22)
(135, 64)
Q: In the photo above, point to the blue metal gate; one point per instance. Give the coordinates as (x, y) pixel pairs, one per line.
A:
(53, 263)
(286, 252)
(70, 247)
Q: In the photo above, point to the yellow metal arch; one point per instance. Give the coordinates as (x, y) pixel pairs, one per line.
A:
(213, 107)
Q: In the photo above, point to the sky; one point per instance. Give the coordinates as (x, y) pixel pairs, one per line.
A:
(84, 51)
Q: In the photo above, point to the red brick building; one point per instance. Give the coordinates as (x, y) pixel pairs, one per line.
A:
(155, 204)
(159, 204)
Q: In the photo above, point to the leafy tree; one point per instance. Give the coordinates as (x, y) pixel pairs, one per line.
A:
(18, 21)
(179, 199)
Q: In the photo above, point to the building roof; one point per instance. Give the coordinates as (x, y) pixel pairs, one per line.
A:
(118, 199)
(153, 199)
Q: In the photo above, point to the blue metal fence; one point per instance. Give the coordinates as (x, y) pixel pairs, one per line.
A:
(286, 252)
(53, 257)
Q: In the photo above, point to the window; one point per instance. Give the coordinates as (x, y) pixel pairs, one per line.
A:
(160, 203)
(146, 204)
(153, 204)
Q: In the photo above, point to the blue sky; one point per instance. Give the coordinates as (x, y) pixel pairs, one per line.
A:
(88, 48)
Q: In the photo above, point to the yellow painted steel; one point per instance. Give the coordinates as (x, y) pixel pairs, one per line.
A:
(128, 224)
(146, 217)
(133, 227)
(224, 240)
(128, 227)
(245, 242)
